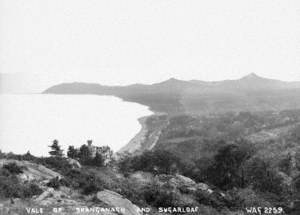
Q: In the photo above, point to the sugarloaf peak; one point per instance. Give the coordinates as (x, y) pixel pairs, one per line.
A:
(252, 76)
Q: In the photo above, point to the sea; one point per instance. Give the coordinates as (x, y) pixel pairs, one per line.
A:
(31, 122)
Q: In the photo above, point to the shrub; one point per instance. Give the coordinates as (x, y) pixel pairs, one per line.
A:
(158, 197)
(54, 183)
(91, 187)
(72, 152)
(13, 168)
(263, 176)
(125, 164)
(213, 200)
(128, 189)
(251, 199)
(56, 150)
(11, 188)
(86, 181)
(28, 157)
(98, 160)
(227, 171)
(57, 163)
(156, 162)
(4, 172)
(31, 190)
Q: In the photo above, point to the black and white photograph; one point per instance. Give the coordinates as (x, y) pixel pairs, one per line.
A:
(149, 107)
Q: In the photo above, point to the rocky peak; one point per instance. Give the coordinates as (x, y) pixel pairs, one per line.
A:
(252, 77)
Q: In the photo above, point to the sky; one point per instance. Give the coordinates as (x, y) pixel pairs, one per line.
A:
(117, 42)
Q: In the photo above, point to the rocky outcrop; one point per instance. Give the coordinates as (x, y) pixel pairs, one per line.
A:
(141, 179)
(116, 200)
(74, 163)
(184, 184)
(51, 197)
(32, 171)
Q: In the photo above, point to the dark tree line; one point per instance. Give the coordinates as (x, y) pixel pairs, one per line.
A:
(84, 154)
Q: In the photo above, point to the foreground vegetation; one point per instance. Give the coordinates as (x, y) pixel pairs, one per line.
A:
(220, 152)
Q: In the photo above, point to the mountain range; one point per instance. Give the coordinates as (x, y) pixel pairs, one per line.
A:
(173, 96)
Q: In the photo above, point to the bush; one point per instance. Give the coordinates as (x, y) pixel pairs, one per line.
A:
(4, 172)
(92, 187)
(54, 183)
(13, 168)
(128, 189)
(31, 190)
(57, 163)
(227, 170)
(213, 200)
(86, 181)
(125, 164)
(156, 162)
(156, 196)
(263, 176)
(11, 188)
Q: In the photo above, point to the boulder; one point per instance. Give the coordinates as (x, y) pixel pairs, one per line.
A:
(116, 200)
(185, 180)
(51, 196)
(184, 184)
(204, 187)
(44, 195)
(74, 163)
(141, 179)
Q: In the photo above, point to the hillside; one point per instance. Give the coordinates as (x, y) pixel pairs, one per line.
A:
(219, 164)
(27, 187)
(195, 137)
(250, 93)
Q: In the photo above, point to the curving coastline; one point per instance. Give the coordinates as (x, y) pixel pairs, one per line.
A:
(149, 134)
(135, 143)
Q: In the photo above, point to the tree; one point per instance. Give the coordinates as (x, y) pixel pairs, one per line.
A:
(263, 176)
(72, 152)
(106, 154)
(157, 162)
(56, 149)
(227, 170)
(2, 155)
(125, 163)
(28, 156)
(85, 155)
(98, 160)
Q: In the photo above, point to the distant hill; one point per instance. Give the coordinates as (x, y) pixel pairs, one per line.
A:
(173, 96)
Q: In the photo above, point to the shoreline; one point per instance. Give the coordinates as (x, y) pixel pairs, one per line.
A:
(136, 142)
(148, 135)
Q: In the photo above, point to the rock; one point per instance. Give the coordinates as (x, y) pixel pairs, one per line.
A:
(51, 196)
(74, 163)
(184, 184)
(185, 180)
(44, 195)
(26, 177)
(116, 200)
(286, 180)
(204, 187)
(32, 171)
(141, 178)
(163, 178)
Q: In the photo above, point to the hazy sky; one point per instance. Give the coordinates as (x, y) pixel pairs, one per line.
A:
(129, 41)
